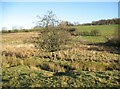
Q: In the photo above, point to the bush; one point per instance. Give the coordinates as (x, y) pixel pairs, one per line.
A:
(95, 33)
(71, 29)
(52, 39)
(91, 33)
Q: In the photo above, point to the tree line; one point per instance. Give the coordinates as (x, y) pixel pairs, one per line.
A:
(104, 22)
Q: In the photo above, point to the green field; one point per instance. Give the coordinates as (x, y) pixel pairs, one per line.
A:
(106, 30)
(78, 64)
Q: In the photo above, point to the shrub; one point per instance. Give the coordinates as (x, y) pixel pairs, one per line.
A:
(91, 33)
(52, 39)
(71, 29)
(95, 33)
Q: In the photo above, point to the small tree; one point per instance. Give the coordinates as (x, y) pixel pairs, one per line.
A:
(52, 38)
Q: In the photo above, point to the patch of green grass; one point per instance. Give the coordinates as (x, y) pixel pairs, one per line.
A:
(106, 30)
(22, 76)
(94, 39)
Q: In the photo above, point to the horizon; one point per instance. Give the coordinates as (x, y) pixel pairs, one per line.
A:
(24, 13)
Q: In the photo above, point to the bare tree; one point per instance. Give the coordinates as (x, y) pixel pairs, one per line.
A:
(47, 20)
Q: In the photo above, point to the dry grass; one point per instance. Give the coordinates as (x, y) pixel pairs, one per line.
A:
(20, 51)
(78, 56)
(53, 67)
(82, 57)
(17, 38)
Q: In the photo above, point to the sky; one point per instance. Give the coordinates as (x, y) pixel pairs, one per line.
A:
(24, 13)
(60, 0)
